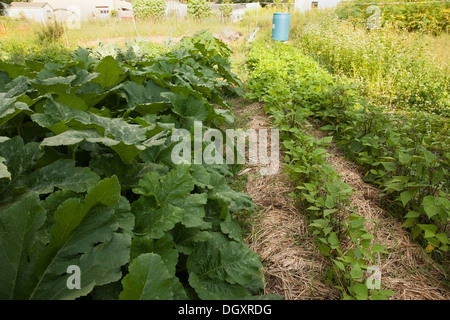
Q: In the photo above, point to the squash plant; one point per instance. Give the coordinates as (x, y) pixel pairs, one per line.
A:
(86, 180)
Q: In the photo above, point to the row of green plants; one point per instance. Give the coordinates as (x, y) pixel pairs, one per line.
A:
(87, 180)
(394, 70)
(410, 15)
(403, 157)
(278, 75)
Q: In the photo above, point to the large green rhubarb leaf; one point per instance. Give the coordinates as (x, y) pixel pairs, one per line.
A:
(148, 279)
(82, 232)
(223, 269)
(110, 73)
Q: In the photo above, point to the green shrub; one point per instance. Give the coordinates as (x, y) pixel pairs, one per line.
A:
(144, 9)
(198, 9)
(397, 73)
(226, 10)
(50, 33)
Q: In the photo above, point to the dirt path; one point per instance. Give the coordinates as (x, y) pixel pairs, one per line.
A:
(293, 266)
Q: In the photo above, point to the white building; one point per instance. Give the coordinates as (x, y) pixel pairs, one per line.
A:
(88, 9)
(306, 5)
(38, 11)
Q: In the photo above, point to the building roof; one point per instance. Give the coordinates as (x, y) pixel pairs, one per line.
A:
(30, 5)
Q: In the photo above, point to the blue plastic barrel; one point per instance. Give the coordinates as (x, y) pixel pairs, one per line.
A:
(280, 26)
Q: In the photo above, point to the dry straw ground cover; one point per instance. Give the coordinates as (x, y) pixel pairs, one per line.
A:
(406, 270)
(293, 266)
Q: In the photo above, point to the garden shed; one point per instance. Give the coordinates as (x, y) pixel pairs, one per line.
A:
(38, 11)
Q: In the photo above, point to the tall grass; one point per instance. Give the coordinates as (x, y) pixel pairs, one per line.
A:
(396, 69)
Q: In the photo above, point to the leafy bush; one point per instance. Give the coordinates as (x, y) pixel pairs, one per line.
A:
(226, 10)
(145, 9)
(396, 73)
(198, 9)
(50, 33)
(19, 52)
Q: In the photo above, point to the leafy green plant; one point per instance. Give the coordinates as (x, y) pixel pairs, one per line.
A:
(226, 10)
(87, 180)
(398, 74)
(51, 32)
(144, 9)
(198, 9)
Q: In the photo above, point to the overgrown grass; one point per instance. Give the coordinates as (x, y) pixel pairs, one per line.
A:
(397, 70)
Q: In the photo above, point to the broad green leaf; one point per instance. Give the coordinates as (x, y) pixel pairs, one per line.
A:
(360, 290)
(221, 269)
(412, 214)
(54, 85)
(381, 294)
(356, 272)
(82, 56)
(83, 233)
(430, 206)
(190, 107)
(110, 72)
(333, 240)
(404, 158)
(20, 157)
(442, 237)
(148, 279)
(378, 248)
(168, 189)
(19, 223)
(127, 152)
(139, 94)
(10, 107)
(339, 264)
(57, 115)
(155, 222)
(430, 230)
(4, 173)
(61, 174)
(429, 157)
(389, 166)
(406, 196)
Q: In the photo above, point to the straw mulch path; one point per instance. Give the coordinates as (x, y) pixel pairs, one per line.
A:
(293, 266)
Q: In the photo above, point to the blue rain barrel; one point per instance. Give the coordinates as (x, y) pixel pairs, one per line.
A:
(280, 27)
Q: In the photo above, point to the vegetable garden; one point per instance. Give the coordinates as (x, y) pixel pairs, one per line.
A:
(87, 176)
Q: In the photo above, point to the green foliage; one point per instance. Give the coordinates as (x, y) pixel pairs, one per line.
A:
(144, 9)
(401, 154)
(395, 72)
(226, 10)
(198, 9)
(291, 85)
(412, 15)
(52, 32)
(86, 179)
